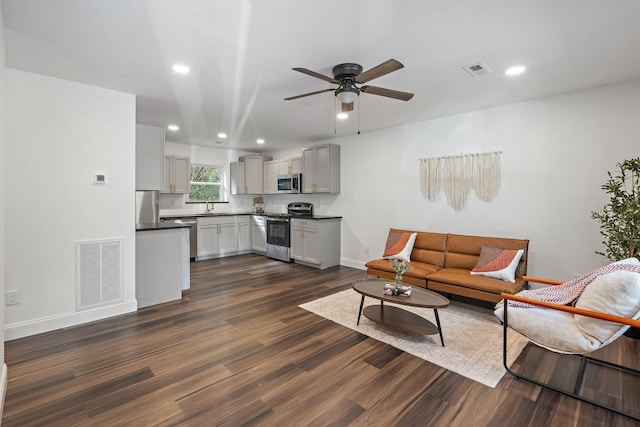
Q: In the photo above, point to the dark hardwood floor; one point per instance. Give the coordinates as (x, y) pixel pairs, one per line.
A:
(237, 350)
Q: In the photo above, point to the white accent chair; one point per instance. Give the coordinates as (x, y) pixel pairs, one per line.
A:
(604, 311)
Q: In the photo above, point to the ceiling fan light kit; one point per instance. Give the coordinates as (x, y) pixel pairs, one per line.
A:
(347, 95)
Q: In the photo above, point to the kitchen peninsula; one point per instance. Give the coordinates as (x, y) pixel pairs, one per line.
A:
(162, 262)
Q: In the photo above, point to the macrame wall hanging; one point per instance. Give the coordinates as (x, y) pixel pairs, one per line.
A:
(457, 175)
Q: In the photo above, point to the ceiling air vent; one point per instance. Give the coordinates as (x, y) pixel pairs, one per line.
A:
(477, 70)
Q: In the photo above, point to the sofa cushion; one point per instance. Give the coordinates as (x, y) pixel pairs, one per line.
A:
(417, 269)
(498, 263)
(399, 245)
(461, 277)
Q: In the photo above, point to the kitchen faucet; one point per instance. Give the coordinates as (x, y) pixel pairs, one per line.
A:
(209, 210)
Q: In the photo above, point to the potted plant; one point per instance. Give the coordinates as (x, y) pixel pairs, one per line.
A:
(620, 218)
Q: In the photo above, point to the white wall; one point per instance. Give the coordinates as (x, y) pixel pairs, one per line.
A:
(556, 154)
(2, 184)
(58, 134)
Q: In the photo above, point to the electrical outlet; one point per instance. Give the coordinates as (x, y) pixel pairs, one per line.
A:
(367, 249)
(12, 297)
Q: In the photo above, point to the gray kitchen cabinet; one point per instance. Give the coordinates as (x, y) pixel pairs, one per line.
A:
(271, 172)
(237, 178)
(244, 233)
(315, 243)
(149, 158)
(217, 236)
(254, 173)
(176, 174)
(321, 169)
(247, 175)
(289, 166)
(259, 233)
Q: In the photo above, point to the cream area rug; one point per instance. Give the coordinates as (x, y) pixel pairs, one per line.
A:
(472, 339)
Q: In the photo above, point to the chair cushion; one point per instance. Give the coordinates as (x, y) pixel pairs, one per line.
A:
(616, 293)
(551, 329)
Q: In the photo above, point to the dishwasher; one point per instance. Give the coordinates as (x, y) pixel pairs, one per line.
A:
(193, 232)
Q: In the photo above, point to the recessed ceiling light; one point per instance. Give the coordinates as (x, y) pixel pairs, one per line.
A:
(515, 70)
(342, 116)
(222, 135)
(260, 141)
(180, 69)
(173, 127)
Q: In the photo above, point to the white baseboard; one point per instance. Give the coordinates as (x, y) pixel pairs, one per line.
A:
(13, 331)
(3, 388)
(353, 263)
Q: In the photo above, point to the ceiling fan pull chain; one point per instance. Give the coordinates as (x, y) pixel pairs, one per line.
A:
(358, 116)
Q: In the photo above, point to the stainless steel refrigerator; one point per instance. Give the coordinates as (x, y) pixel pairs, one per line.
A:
(147, 207)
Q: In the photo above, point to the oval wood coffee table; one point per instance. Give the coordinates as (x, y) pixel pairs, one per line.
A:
(395, 317)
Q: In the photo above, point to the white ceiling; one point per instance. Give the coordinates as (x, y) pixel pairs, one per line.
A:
(241, 53)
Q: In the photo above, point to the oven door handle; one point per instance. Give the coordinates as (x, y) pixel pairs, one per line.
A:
(278, 219)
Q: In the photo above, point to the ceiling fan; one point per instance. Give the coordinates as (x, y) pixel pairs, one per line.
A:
(348, 75)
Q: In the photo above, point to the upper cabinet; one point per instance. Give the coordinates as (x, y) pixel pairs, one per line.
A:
(321, 169)
(149, 157)
(289, 166)
(176, 174)
(237, 172)
(271, 172)
(248, 170)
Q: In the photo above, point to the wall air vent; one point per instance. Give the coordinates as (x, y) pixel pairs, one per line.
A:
(476, 70)
(98, 273)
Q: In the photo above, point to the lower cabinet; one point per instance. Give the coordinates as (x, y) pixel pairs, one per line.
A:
(217, 235)
(259, 233)
(244, 233)
(315, 243)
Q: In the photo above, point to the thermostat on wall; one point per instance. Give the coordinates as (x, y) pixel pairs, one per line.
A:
(100, 178)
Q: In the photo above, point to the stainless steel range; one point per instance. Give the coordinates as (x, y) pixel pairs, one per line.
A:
(279, 231)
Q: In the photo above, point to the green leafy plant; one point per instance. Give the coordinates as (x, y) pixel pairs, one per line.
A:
(620, 218)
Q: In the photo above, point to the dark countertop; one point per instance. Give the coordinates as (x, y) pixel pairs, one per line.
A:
(319, 217)
(174, 216)
(159, 226)
(214, 214)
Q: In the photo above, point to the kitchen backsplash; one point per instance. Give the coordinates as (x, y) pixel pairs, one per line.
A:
(173, 204)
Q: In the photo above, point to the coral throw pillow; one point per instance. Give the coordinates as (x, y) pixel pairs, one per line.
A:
(399, 245)
(499, 264)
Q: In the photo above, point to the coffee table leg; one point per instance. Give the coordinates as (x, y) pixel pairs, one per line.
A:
(360, 311)
(435, 311)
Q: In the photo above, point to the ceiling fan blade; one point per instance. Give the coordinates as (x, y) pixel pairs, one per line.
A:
(309, 94)
(316, 75)
(389, 93)
(379, 71)
(346, 107)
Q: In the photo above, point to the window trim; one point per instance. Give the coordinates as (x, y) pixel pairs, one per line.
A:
(221, 184)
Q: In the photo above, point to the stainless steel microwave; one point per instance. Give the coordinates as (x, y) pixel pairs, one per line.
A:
(289, 183)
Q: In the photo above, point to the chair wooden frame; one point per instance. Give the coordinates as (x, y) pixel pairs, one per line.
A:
(584, 358)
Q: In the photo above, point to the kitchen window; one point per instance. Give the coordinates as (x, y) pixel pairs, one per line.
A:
(206, 183)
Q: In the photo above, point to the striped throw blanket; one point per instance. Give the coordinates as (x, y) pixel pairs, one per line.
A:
(568, 292)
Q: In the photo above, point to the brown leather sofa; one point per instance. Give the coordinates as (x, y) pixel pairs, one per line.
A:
(443, 262)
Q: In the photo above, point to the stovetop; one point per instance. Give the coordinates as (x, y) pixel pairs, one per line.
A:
(295, 210)
(287, 215)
